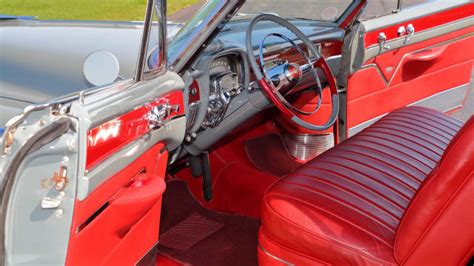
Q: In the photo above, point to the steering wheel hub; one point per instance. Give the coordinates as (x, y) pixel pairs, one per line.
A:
(293, 73)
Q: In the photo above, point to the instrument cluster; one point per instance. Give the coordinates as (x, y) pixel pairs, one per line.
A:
(225, 83)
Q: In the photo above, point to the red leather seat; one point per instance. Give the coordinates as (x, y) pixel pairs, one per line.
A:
(399, 192)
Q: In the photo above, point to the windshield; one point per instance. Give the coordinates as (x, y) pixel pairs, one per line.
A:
(197, 30)
(209, 16)
(327, 10)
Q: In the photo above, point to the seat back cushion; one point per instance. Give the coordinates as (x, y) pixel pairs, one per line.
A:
(438, 226)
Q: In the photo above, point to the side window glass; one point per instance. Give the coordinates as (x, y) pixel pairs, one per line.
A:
(378, 8)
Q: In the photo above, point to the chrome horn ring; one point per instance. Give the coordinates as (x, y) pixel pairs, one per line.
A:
(285, 71)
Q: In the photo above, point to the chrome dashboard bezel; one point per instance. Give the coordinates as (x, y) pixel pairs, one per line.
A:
(219, 97)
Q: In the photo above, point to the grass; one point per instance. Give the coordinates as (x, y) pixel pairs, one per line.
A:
(118, 10)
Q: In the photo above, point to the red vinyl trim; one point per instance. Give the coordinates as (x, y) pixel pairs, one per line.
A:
(422, 23)
(194, 92)
(105, 139)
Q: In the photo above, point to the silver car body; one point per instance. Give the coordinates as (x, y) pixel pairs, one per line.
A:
(43, 60)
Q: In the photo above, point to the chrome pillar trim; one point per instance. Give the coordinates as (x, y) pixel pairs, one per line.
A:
(274, 257)
(160, 9)
(144, 42)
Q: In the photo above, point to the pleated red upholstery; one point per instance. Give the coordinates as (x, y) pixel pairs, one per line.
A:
(345, 206)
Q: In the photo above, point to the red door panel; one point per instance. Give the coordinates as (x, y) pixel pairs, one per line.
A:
(438, 53)
(423, 23)
(122, 216)
(413, 72)
(118, 222)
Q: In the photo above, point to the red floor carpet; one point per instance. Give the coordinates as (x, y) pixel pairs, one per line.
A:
(194, 235)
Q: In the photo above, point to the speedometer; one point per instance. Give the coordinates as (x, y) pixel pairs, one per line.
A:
(219, 65)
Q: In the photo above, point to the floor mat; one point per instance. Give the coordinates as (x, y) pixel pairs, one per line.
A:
(184, 235)
(207, 237)
(268, 154)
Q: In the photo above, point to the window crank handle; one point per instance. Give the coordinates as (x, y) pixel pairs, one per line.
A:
(410, 32)
(383, 41)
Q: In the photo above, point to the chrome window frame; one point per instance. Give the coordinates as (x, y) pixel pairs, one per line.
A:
(159, 6)
(396, 10)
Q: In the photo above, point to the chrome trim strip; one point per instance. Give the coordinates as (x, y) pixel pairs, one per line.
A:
(273, 256)
(453, 99)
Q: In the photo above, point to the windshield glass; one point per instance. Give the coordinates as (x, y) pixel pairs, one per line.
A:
(193, 29)
(327, 10)
(200, 26)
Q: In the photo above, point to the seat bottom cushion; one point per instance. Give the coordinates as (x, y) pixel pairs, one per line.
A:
(345, 206)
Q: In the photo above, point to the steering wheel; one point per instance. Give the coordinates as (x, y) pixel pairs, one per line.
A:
(279, 80)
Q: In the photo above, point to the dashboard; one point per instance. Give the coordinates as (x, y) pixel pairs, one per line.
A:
(222, 92)
(226, 79)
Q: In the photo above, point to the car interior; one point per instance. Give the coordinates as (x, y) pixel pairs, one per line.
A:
(251, 170)
(291, 141)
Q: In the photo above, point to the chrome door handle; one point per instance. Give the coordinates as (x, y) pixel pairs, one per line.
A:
(159, 115)
(383, 41)
(410, 32)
